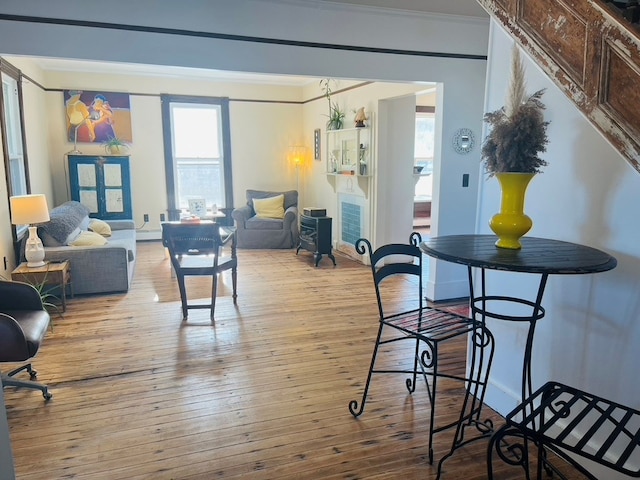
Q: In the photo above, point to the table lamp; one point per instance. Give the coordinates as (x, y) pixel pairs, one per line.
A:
(27, 210)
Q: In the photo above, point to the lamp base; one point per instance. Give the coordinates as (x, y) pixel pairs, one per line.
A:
(41, 263)
(33, 250)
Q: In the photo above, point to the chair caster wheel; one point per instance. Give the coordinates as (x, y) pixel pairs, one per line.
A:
(33, 375)
(47, 395)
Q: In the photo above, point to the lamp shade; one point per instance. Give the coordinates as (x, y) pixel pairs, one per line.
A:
(29, 209)
(297, 154)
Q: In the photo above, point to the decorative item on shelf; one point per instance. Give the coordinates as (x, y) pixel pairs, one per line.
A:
(417, 169)
(26, 210)
(334, 161)
(360, 118)
(115, 146)
(511, 153)
(362, 161)
(336, 116)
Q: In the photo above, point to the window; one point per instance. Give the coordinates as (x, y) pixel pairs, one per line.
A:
(197, 152)
(423, 153)
(15, 159)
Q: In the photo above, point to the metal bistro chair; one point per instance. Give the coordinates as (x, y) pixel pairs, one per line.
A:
(428, 327)
(196, 250)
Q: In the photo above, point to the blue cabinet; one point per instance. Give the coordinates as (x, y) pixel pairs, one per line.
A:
(103, 184)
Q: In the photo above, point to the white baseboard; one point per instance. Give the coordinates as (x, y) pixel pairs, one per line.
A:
(148, 234)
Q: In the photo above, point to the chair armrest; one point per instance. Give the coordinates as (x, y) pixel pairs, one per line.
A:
(13, 344)
(290, 216)
(241, 215)
(227, 234)
(19, 296)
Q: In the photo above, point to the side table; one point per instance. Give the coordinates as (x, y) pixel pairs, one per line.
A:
(52, 273)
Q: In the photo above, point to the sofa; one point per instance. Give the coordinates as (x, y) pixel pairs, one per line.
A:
(98, 265)
(277, 231)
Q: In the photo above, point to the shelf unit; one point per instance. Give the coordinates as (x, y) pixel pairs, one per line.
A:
(349, 152)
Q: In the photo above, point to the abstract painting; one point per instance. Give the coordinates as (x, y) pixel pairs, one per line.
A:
(97, 117)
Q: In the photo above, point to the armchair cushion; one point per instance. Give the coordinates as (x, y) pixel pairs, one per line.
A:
(270, 207)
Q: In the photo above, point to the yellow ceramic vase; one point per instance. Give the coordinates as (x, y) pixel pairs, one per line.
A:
(511, 223)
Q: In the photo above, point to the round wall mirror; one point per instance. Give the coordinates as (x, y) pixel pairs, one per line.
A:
(463, 140)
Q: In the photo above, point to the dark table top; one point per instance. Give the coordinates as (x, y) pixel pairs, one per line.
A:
(538, 255)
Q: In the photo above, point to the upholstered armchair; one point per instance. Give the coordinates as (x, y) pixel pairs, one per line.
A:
(256, 231)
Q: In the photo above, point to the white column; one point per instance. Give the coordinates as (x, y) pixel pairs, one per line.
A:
(6, 458)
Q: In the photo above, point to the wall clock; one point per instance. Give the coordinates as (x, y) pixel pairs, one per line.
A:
(463, 140)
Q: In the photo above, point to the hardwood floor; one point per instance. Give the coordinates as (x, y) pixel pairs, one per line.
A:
(262, 393)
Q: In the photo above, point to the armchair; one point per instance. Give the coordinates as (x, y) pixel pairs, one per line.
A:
(260, 232)
(23, 325)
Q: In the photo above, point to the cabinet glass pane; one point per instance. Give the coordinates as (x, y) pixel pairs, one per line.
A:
(89, 198)
(112, 175)
(87, 176)
(113, 200)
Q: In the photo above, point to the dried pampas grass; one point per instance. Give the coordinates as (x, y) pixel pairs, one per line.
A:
(519, 133)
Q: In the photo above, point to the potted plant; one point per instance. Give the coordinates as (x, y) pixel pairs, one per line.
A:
(511, 152)
(336, 116)
(115, 146)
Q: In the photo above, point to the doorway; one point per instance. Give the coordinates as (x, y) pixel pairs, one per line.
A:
(424, 147)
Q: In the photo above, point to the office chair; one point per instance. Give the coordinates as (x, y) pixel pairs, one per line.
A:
(23, 325)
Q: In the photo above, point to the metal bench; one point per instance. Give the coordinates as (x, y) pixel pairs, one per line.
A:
(574, 425)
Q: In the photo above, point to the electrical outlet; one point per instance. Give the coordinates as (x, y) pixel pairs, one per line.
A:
(162, 217)
(145, 217)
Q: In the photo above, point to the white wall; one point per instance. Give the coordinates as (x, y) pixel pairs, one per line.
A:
(588, 194)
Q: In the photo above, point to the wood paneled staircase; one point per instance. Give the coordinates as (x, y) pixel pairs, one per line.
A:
(591, 50)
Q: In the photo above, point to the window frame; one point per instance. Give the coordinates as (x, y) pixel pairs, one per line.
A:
(173, 209)
(17, 231)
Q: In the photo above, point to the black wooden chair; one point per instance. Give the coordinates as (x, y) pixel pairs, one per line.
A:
(196, 249)
(428, 327)
(23, 325)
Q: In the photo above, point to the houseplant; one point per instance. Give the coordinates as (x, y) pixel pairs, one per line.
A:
(336, 116)
(115, 146)
(511, 152)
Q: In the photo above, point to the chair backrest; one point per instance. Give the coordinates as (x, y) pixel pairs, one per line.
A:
(290, 197)
(391, 260)
(192, 239)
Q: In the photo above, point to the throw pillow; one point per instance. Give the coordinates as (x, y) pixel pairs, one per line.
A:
(100, 226)
(64, 220)
(89, 239)
(271, 207)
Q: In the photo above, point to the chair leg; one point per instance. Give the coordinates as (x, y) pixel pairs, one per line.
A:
(234, 282)
(431, 390)
(183, 295)
(214, 293)
(353, 404)
(9, 381)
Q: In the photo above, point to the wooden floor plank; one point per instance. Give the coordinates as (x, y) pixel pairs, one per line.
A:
(260, 393)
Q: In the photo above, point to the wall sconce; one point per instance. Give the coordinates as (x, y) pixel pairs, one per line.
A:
(27, 210)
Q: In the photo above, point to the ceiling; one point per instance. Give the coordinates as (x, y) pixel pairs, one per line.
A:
(469, 8)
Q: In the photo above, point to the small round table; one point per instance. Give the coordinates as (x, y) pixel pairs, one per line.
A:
(538, 256)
